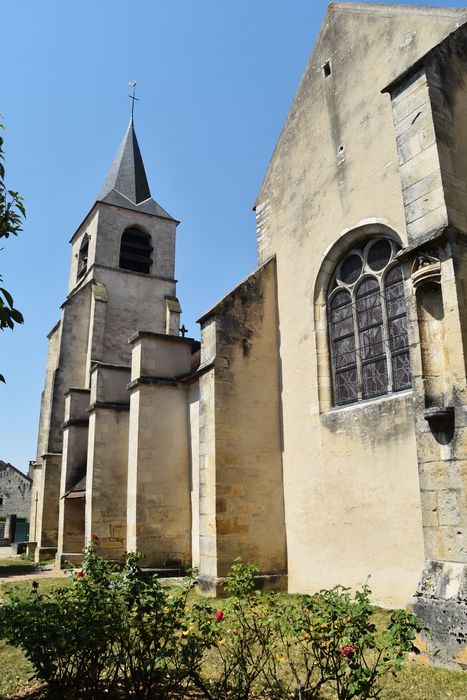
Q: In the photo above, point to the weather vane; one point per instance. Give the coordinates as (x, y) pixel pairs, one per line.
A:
(132, 84)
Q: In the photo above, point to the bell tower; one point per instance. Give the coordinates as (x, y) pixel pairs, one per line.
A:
(121, 281)
(126, 246)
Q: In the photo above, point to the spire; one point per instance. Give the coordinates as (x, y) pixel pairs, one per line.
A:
(126, 184)
(127, 174)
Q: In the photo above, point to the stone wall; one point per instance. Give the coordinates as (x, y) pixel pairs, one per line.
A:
(430, 102)
(194, 426)
(352, 498)
(15, 491)
(159, 466)
(73, 472)
(241, 483)
(103, 308)
(107, 461)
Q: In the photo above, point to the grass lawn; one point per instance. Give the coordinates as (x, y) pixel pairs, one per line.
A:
(15, 672)
(20, 566)
(17, 566)
(415, 682)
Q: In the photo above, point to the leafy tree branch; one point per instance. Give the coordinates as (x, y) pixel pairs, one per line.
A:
(12, 215)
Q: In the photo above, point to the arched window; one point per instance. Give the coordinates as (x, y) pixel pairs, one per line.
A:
(136, 251)
(368, 324)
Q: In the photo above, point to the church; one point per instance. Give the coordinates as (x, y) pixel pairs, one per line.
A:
(318, 428)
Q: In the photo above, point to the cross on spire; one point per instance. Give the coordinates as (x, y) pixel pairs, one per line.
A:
(132, 97)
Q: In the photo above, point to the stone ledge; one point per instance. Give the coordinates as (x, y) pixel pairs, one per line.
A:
(154, 381)
(95, 364)
(213, 587)
(75, 559)
(445, 642)
(434, 236)
(108, 405)
(441, 602)
(163, 572)
(80, 422)
(163, 336)
(443, 580)
(44, 553)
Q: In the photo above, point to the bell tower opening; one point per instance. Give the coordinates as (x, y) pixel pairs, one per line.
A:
(136, 251)
(83, 257)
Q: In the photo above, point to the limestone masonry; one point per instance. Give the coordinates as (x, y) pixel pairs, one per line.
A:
(319, 428)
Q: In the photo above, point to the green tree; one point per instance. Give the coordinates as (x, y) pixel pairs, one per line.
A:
(12, 215)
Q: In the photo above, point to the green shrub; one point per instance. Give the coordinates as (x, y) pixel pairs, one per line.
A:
(67, 634)
(117, 631)
(238, 650)
(297, 647)
(329, 639)
(162, 639)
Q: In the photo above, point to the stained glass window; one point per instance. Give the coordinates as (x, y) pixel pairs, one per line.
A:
(368, 324)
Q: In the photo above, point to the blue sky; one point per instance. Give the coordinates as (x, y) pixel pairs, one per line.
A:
(215, 82)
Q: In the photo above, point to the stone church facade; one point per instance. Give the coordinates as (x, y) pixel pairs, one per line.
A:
(318, 429)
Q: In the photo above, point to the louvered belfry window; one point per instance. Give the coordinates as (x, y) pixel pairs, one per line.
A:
(83, 257)
(368, 324)
(136, 251)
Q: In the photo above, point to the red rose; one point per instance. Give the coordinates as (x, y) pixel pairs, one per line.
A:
(35, 584)
(347, 650)
(80, 573)
(219, 615)
(94, 538)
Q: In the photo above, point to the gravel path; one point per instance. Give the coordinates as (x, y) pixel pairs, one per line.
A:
(40, 572)
(24, 571)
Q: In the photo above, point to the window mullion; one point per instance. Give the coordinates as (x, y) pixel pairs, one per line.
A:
(386, 338)
(358, 358)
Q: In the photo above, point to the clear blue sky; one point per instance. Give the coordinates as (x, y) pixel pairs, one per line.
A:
(215, 81)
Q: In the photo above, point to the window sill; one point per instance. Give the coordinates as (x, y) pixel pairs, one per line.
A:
(368, 402)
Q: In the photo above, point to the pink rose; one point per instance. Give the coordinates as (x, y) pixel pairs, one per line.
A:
(347, 650)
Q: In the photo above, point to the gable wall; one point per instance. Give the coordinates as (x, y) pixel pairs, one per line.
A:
(15, 490)
(351, 482)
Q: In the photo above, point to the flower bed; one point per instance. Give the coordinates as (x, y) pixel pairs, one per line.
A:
(115, 632)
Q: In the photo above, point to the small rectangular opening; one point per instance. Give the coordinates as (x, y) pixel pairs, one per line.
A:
(327, 69)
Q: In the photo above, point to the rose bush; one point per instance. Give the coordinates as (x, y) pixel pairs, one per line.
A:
(119, 631)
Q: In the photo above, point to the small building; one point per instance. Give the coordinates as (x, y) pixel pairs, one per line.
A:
(15, 504)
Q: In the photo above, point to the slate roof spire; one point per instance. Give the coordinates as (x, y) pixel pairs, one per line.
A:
(127, 174)
(126, 184)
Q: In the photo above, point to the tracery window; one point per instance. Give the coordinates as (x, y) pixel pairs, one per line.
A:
(136, 251)
(368, 324)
